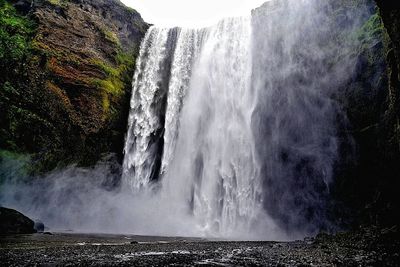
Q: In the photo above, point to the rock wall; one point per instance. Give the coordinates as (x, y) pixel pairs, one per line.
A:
(65, 99)
(367, 178)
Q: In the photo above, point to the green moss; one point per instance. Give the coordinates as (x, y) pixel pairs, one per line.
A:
(111, 85)
(372, 29)
(8, 90)
(106, 104)
(15, 33)
(109, 70)
(13, 165)
(5, 154)
(126, 63)
(110, 36)
(116, 77)
(131, 10)
(60, 3)
(55, 2)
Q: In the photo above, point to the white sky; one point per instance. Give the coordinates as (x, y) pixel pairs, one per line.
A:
(190, 13)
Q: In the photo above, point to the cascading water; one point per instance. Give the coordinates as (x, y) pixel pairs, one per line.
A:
(186, 52)
(236, 123)
(147, 108)
(214, 162)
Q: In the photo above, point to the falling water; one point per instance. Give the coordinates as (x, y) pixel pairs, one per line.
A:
(214, 161)
(208, 152)
(186, 52)
(147, 108)
(237, 122)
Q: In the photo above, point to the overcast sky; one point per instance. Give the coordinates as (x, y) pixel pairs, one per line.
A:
(190, 13)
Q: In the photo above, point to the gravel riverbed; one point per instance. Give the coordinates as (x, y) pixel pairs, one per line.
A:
(110, 250)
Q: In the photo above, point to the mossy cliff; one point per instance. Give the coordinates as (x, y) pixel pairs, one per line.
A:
(369, 184)
(66, 69)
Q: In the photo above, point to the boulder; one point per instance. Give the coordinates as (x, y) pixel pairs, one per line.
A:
(14, 222)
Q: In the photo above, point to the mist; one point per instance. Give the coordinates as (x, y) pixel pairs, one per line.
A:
(234, 132)
(302, 59)
(92, 200)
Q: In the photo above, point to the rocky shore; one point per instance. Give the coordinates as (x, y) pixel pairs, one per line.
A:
(366, 247)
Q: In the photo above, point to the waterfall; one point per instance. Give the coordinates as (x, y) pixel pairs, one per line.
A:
(237, 123)
(150, 87)
(235, 131)
(208, 151)
(214, 165)
(186, 52)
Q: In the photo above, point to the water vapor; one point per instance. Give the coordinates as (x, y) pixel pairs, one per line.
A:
(234, 132)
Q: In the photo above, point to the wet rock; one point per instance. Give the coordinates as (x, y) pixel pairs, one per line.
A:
(39, 226)
(14, 222)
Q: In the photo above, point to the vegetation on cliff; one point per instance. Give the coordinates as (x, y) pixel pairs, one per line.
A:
(15, 32)
(66, 83)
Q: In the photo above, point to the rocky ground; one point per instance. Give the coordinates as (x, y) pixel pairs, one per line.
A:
(356, 249)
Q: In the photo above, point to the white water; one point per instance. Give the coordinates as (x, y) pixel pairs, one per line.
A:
(143, 118)
(214, 168)
(186, 53)
(232, 132)
(248, 128)
(208, 159)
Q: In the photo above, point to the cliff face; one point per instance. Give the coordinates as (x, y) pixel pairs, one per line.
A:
(366, 174)
(65, 99)
(369, 185)
(383, 207)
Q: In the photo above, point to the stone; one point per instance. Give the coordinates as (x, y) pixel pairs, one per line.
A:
(14, 222)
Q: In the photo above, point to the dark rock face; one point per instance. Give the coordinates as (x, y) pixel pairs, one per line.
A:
(69, 98)
(14, 222)
(370, 186)
(366, 175)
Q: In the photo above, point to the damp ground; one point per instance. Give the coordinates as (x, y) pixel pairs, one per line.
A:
(117, 250)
